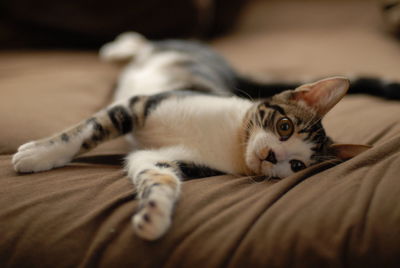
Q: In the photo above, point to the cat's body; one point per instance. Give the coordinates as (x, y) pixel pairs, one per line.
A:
(176, 100)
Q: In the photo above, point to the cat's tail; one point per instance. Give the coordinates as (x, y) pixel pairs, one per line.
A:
(124, 48)
(251, 88)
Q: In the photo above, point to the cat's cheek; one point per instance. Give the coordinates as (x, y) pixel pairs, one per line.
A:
(267, 169)
(252, 162)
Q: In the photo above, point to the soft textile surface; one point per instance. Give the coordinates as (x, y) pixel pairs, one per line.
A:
(79, 215)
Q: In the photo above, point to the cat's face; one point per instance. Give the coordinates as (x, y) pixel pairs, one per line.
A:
(283, 139)
(284, 134)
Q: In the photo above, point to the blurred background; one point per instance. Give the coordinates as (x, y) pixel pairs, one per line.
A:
(264, 36)
(91, 23)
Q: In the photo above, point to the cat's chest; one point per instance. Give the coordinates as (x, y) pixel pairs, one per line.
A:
(209, 126)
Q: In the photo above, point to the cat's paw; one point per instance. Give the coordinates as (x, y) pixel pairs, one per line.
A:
(153, 218)
(124, 47)
(39, 156)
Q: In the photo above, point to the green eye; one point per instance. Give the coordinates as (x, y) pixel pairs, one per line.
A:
(296, 165)
(285, 128)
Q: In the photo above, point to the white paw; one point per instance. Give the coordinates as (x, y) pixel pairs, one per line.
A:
(125, 46)
(153, 218)
(40, 156)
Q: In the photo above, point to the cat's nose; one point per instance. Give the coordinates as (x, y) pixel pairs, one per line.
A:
(271, 157)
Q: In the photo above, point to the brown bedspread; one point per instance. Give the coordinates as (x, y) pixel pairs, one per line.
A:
(79, 215)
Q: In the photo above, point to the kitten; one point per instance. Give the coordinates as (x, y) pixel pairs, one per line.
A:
(175, 99)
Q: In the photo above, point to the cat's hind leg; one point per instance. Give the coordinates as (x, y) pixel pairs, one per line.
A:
(157, 178)
(125, 46)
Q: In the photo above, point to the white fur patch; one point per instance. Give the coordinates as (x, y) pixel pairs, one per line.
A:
(293, 148)
(125, 46)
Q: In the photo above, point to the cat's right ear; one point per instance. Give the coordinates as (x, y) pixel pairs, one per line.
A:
(348, 151)
(322, 95)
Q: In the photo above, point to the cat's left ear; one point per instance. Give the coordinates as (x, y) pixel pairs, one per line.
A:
(347, 151)
(322, 95)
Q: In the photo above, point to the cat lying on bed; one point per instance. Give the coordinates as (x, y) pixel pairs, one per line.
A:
(175, 99)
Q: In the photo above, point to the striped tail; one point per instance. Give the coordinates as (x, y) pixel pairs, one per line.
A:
(374, 86)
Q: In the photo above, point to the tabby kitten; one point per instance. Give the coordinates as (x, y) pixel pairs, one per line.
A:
(175, 99)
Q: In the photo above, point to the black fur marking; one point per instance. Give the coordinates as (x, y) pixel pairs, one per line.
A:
(199, 88)
(99, 133)
(392, 91)
(86, 146)
(376, 87)
(271, 157)
(299, 121)
(312, 128)
(146, 217)
(121, 119)
(163, 165)
(319, 136)
(276, 108)
(64, 137)
(271, 119)
(152, 204)
(389, 6)
(146, 192)
(316, 134)
(153, 101)
(133, 101)
(194, 171)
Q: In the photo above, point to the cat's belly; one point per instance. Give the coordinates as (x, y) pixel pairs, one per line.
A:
(207, 126)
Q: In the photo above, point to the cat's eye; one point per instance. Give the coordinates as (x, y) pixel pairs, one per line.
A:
(296, 165)
(285, 128)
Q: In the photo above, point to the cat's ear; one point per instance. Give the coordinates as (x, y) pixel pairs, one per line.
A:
(347, 151)
(322, 95)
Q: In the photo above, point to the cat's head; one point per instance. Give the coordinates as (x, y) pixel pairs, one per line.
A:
(284, 134)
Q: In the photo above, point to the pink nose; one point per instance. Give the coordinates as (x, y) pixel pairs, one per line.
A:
(280, 154)
(271, 157)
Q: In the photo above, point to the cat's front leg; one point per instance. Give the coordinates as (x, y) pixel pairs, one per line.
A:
(60, 149)
(157, 178)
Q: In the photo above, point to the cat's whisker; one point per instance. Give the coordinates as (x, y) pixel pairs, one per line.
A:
(245, 93)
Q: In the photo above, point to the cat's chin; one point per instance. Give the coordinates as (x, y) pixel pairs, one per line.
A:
(266, 169)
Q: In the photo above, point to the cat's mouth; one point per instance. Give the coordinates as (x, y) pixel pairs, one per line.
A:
(259, 166)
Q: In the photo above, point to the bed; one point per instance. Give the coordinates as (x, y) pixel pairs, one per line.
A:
(342, 216)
